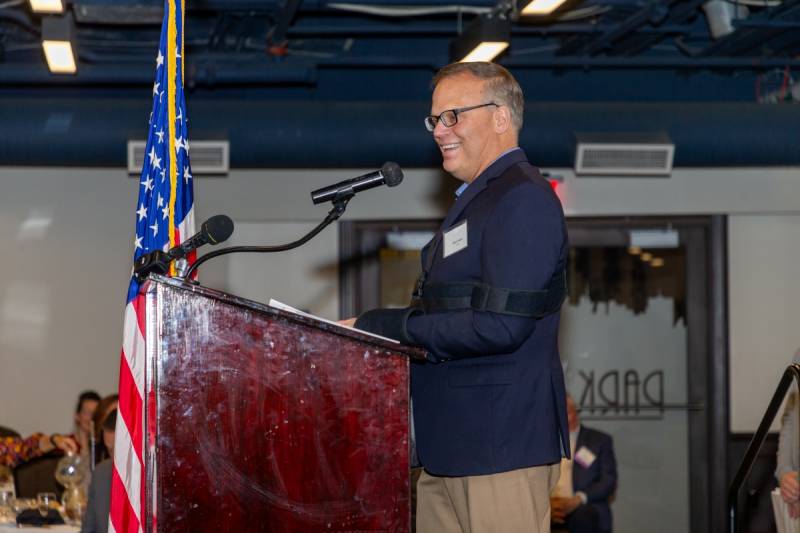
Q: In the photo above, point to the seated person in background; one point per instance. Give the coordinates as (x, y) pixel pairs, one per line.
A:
(788, 452)
(96, 518)
(14, 450)
(579, 503)
(84, 411)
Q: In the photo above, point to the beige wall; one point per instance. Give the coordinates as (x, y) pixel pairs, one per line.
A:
(764, 290)
(67, 241)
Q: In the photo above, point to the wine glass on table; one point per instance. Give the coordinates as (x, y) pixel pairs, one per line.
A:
(44, 502)
(6, 499)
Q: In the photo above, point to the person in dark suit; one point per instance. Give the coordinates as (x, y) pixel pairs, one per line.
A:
(489, 406)
(580, 501)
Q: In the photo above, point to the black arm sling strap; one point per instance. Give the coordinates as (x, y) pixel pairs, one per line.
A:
(454, 296)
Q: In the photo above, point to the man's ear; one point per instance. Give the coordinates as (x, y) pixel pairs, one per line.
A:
(502, 119)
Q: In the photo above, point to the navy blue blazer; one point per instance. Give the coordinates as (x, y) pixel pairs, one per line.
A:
(599, 480)
(491, 398)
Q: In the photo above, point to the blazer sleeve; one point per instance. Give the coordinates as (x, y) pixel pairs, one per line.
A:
(523, 243)
(601, 489)
(787, 439)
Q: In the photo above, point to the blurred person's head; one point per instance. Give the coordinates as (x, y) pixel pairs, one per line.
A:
(572, 414)
(84, 411)
(109, 429)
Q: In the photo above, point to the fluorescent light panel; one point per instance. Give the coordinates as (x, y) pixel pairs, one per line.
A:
(541, 7)
(485, 51)
(60, 57)
(482, 40)
(47, 6)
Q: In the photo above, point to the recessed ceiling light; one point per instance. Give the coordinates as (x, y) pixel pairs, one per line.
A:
(541, 7)
(60, 57)
(47, 6)
(483, 40)
(58, 44)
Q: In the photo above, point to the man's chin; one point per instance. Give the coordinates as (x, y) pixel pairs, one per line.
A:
(450, 167)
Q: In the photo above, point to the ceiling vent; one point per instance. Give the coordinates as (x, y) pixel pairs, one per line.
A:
(624, 155)
(207, 157)
(123, 13)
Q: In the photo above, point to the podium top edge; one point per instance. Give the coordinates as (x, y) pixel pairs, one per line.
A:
(155, 280)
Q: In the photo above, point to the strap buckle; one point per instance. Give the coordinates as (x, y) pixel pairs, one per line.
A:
(480, 297)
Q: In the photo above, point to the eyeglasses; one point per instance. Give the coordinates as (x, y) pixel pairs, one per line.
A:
(450, 117)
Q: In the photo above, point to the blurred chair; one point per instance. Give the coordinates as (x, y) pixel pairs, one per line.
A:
(37, 475)
(8, 432)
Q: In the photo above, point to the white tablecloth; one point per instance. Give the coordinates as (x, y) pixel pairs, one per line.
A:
(12, 528)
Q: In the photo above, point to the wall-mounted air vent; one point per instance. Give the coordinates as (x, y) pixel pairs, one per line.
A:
(207, 157)
(624, 155)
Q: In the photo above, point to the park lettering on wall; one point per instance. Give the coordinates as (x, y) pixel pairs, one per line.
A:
(623, 395)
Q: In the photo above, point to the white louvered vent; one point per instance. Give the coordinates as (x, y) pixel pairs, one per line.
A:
(600, 158)
(207, 157)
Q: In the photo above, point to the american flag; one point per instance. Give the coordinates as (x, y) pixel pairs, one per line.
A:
(164, 216)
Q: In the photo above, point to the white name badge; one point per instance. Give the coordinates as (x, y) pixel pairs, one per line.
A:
(455, 239)
(585, 457)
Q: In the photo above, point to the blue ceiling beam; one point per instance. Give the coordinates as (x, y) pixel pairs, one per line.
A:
(271, 134)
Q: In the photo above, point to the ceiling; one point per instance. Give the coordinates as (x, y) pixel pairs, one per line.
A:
(354, 67)
(331, 49)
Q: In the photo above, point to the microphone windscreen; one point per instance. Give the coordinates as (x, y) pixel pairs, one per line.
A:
(392, 175)
(218, 228)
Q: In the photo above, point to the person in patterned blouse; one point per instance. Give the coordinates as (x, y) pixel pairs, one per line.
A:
(15, 450)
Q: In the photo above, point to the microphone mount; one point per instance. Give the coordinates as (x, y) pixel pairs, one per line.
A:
(339, 205)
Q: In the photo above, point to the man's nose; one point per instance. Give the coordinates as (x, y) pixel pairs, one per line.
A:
(440, 129)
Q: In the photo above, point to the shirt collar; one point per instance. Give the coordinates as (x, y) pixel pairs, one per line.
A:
(464, 185)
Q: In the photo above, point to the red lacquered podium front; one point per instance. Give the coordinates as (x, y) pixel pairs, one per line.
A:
(262, 420)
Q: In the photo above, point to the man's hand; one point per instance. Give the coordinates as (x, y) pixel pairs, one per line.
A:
(573, 503)
(557, 510)
(794, 510)
(560, 508)
(350, 322)
(790, 487)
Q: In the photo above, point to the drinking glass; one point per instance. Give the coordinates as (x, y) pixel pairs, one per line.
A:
(44, 501)
(6, 513)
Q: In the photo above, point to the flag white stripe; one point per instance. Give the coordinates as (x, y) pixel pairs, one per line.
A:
(129, 468)
(133, 347)
(186, 227)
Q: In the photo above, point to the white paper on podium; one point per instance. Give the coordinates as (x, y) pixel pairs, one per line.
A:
(783, 522)
(289, 309)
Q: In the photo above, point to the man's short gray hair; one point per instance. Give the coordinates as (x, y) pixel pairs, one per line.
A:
(501, 85)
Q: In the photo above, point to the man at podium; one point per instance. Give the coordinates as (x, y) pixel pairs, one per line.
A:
(489, 405)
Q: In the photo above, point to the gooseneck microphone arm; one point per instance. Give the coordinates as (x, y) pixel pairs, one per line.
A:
(339, 206)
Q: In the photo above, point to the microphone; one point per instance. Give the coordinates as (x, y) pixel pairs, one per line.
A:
(389, 175)
(213, 231)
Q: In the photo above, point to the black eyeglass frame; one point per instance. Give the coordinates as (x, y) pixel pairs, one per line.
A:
(432, 120)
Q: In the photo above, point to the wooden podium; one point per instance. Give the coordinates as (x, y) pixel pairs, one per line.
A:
(263, 420)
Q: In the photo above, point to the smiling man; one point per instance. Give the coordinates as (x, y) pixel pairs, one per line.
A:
(489, 403)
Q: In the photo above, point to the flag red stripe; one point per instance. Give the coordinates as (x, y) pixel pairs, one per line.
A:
(130, 407)
(123, 518)
(138, 304)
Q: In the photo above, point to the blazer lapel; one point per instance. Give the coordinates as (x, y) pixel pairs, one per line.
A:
(493, 171)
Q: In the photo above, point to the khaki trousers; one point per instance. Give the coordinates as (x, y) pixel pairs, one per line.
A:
(509, 502)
